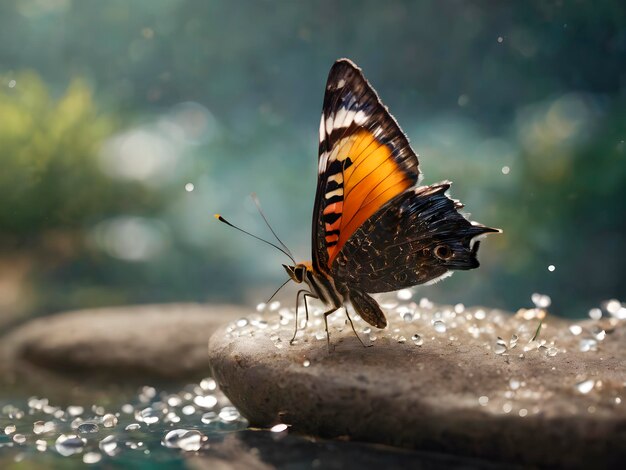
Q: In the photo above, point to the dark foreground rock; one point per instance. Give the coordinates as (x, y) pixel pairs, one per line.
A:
(121, 344)
(559, 399)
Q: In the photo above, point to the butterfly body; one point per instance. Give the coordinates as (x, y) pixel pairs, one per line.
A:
(374, 229)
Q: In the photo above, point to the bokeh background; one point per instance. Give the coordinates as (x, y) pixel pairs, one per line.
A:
(125, 125)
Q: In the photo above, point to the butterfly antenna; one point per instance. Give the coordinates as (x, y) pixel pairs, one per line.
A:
(277, 290)
(257, 203)
(222, 219)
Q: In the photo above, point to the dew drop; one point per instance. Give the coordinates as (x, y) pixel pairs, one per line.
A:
(523, 412)
(575, 329)
(189, 187)
(92, 457)
(133, 427)
(551, 268)
(595, 313)
(109, 420)
(540, 300)
(405, 294)
(87, 427)
(41, 445)
(19, 438)
(500, 347)
(306, 363)
(279, 428)
(586, 345)
(184, 439)
(440, 326)
(417, 339)
(401, 339)
(10, 429)
(109, 446)
(209, 417)
(482, 401)
(552, 351)
(71, 444)
(205, 401)
(505, 170)
(229, 414)
(585, 386)
(188, 410)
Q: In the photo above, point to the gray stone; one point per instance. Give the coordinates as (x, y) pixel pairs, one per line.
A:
(120, 344)
(557, 400)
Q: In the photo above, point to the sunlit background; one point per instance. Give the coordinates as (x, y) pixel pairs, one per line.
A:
(125, 125)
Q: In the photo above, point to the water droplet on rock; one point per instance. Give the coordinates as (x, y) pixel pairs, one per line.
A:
(209, 417)
(575, 329)
(279, 428)
(405, 294)
(401, 339)
(19, 438)
(205, 401)
(482, 401)
(586, 345)
(417, 339)
(552, 351)
(148, 415)
(92, 457)
(184, 439)
(439, 326)
(71, 444)
(41, 445)
(87, 427)
(109, 446)
(306, 363)
(595, 313)
(109, 420)
(585, 386)
(229, 414)
(500, 347)
(9, 429)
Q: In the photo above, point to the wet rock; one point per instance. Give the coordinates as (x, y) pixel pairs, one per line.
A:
(473, 382)
(120, 344)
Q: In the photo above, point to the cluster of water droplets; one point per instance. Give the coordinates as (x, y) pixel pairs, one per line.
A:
(184, 420)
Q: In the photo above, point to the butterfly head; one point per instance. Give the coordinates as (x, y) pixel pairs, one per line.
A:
(297, 273)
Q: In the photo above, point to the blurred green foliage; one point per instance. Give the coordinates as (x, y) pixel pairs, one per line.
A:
(110, 109)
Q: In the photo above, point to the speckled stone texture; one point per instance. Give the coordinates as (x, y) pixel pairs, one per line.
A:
(544, 402)
(117, 344)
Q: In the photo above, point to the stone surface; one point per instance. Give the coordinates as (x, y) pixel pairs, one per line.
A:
(120, 344)
(557, 400)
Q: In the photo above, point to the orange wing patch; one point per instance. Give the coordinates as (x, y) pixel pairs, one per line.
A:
(370, 177)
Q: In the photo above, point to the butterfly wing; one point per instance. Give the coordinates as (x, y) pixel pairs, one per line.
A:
(417, 237)
(364, 161)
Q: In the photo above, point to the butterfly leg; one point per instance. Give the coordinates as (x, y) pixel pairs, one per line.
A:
(357, 335)
(326, 313)
(306, 308)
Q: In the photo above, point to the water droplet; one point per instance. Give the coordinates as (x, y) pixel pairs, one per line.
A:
(242, 322)
(69, 445)
(109, 446)
(19, 438)
(551, 268)
(206, 401)
(109, 420)
(513, 341)
(405, 294)
(507, 407)
(459, 308)
(306, 363)
(425, 303)
(10, 429)
(229, 414)
(401, 339)
(133, 427)
(188, 410)
(208, 384)
(279, 428)
(500, 39)
(505, 170)
(184, 439)
(274, 306)
(320, 335)
(189, 187)
(39, 426)
(586, 345)
(575, 329)
(595, 313)
(92, 457)
(585, 386)
(75, 410)
(209, 417)
(482, 401)
(618, 400)
(552, 351)
(128, 409)
(440, 326)
(480, 314)
(540, 300)
(523, 412)
(12, 83)
(514, 384)
(260, 307)
(531, 346)
(598, 333)
(407, 317)
(500, 347)
(41, 445)
(417, 339)
(148, 415)
(87, 427)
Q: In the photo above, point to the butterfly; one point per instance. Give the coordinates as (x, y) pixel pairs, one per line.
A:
(374, 228)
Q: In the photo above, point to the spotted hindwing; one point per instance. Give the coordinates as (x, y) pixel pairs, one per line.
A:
(418, 237)
(364, 161)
